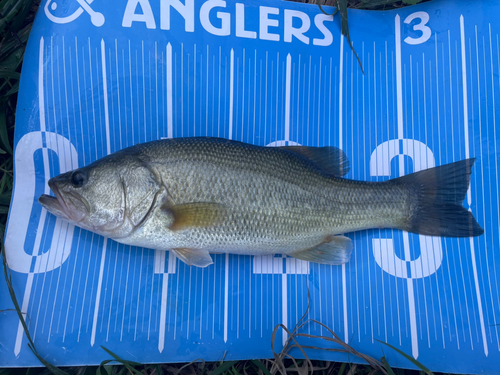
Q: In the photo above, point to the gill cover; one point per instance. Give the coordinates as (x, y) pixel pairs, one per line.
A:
(142, 186)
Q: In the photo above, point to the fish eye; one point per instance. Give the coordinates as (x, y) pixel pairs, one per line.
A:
(78, 178)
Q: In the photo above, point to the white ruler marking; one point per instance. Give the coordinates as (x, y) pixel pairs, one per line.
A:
(98, 295)
(170, 127)
(469, 199)
(163, 311)
(284, 286)
(496, 159)
(287, 96)
(24, 307)
(231, 94)
(105, 96)
(108, 151)
(344, 286)
(226, 276)
(284, 301)
(226, 295)
(406, 241)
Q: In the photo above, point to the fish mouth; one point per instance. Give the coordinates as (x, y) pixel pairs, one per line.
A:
(59, 207)
(54, 206)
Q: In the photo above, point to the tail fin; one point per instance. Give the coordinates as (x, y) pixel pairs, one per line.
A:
(439, 193)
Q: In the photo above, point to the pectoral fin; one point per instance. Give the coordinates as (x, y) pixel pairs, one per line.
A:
(197, 215)
(337, 251)
(194, 257)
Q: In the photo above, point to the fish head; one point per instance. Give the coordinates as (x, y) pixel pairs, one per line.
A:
(91, 197)
(109, 197)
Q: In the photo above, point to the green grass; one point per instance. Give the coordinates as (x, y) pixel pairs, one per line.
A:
(16, 17)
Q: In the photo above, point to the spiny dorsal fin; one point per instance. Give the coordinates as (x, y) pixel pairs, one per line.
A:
(332, 159)
(197, 215)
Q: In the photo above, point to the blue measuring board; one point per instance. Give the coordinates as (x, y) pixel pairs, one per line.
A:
(99, 76)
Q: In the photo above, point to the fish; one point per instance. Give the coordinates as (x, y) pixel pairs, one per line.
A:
(201, 195)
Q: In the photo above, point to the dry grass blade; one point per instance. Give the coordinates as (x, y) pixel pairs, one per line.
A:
(278, 358)
(14, 310)
(352, 370)
(284, 353)
(292, 343)
(349, 349)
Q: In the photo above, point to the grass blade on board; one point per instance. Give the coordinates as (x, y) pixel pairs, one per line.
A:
(128, 364)
(341, 7)
(387, 366)
(31, 345)
(118, 359)
(103, 366)
(412, 360)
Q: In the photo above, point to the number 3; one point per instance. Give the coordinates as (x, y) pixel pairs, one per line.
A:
(426, 31)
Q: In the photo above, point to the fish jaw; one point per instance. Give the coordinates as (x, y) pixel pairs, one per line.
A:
(54, 206)
(59, 207)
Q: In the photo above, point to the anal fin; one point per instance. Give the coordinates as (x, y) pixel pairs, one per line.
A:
(337, 251)
(194, 257)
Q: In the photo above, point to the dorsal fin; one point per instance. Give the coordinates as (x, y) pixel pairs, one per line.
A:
(332, 159)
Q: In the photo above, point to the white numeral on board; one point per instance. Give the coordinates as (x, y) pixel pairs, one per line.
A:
(384, 251)
(426, 31)
(20, 256)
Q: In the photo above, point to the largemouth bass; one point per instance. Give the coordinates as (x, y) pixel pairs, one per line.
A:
(196, 196)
